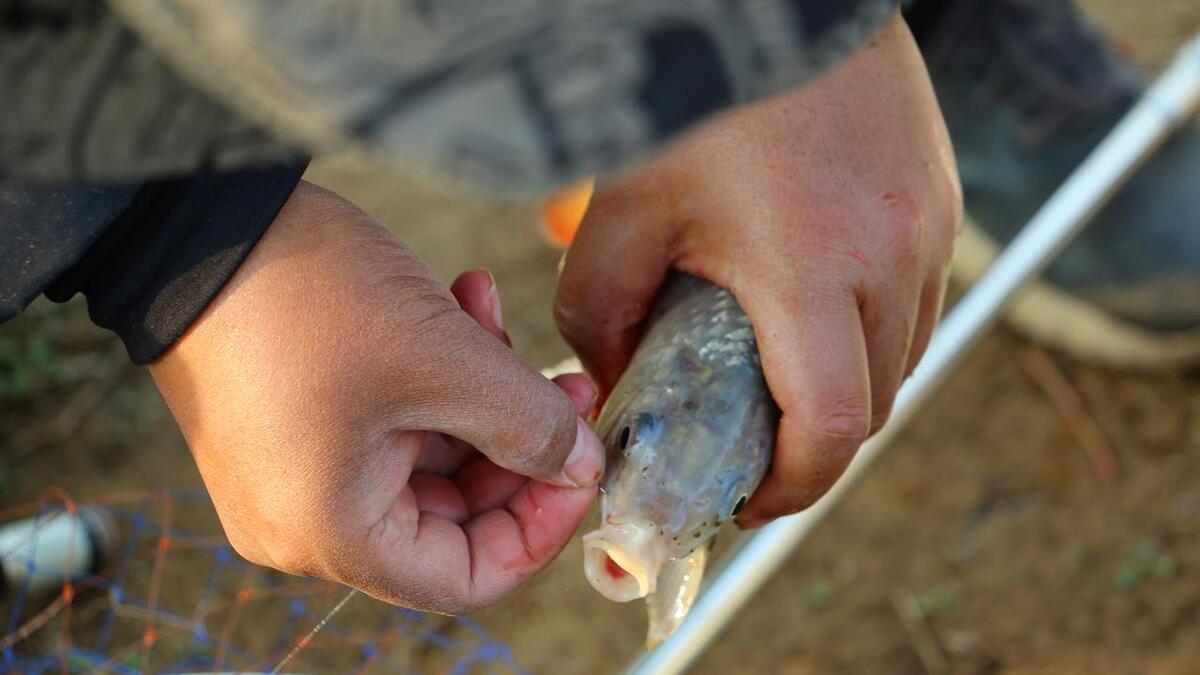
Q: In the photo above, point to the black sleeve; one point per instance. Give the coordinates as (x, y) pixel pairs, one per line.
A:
(45, 229)
(148, 257)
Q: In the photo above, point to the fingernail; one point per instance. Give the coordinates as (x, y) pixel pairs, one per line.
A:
(494, 298)
(585, 464)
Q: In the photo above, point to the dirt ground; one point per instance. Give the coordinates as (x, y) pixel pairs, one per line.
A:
(987, 532)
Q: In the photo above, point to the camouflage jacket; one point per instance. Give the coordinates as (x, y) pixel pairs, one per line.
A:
(115, 112)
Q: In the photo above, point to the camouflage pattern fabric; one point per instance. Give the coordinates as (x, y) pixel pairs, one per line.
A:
(519, 95)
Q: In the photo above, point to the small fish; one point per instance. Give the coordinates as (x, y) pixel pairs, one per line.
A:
(690, 428)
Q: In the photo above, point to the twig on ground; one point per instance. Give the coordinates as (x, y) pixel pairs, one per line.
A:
(920, 634)
(1067, 400)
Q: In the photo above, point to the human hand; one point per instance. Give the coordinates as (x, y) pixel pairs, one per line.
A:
(830, 212)
(355, 420)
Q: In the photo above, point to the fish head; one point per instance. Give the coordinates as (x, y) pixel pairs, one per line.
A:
(674, 476)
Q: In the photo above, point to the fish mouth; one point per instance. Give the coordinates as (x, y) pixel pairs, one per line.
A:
(621, 561)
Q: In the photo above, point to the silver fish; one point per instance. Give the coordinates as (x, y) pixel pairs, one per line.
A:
(690, 428)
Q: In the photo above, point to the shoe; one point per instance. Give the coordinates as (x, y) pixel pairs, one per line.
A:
(1028, 88)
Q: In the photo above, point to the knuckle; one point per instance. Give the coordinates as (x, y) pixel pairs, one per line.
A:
(906, 223)
(456, 598)
(403, 290)
(437, 323)
(948, 225)
(542, 443)
(841, 424)
(431, 312)
(955, 207)
(948, 233)
(957, 217)
(467, 601)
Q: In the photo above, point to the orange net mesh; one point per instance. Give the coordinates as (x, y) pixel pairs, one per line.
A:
(168, 594)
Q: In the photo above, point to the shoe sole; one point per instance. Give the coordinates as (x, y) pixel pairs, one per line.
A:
(1063, 322)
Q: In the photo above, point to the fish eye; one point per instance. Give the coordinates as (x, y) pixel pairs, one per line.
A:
(641, 427)
(737, 508)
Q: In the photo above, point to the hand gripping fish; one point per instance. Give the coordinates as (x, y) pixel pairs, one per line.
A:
(689, 428)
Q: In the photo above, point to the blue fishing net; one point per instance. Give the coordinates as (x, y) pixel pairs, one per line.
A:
(171, 596)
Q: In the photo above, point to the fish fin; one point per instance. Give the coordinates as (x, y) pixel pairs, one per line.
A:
(675, 591)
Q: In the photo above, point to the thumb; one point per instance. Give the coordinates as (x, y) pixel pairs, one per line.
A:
(476, 389)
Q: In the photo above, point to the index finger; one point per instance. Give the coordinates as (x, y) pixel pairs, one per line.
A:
(610, 277)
